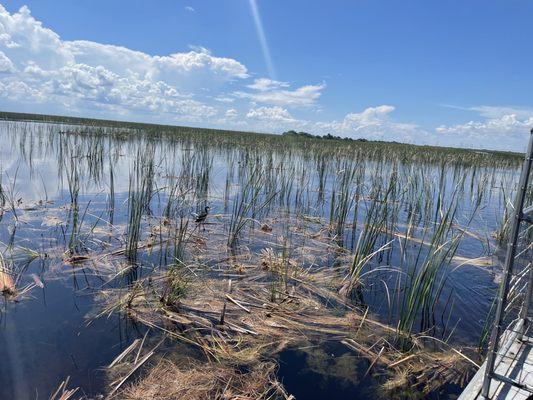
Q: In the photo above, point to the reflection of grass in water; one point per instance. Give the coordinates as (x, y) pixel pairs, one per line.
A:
(2, 195)
(9, 194)
(111, 199)
(343, 369)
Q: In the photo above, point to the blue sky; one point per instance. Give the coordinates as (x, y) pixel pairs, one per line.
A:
(438, 72)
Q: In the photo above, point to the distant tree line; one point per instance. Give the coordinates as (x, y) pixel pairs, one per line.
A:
(327, 136)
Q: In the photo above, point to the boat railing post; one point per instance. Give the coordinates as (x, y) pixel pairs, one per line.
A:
(524, 312)
(508, 269)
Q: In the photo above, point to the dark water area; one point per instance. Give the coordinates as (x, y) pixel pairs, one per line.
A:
(329, 371)
(71, 196)
(49, 338)
(324, 372)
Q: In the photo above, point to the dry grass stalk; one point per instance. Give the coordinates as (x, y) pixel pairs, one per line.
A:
(206, 381)
(62, 393)
(7, 283)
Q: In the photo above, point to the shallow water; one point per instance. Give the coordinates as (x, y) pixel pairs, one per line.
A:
(70, 193)
(332, 372)
(47, 339)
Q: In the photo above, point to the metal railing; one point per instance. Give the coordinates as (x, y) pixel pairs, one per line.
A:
(512, 320)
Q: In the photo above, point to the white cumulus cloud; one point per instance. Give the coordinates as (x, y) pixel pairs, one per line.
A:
(502, 131)
(6, 65)
(265, 84)
(271, 114)
(276, 93)
(36, 65)
(231, 113)
(371, 123)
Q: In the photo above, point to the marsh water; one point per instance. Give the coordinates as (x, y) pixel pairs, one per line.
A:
(67, 193)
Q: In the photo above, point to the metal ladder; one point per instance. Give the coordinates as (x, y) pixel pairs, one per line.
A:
(523, 216)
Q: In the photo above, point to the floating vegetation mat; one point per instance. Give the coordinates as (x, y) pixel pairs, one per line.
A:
(201, 381)
(240, 311)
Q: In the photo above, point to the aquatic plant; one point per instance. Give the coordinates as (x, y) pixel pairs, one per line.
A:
(140, 193)
(426, 277)
(175, 286)
(247, 204)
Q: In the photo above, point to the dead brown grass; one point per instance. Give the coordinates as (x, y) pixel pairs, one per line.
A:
(244, 309)
(207, 381)
(7, 284)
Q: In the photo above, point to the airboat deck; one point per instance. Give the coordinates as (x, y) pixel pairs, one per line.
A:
(508, 370)
(514, 362)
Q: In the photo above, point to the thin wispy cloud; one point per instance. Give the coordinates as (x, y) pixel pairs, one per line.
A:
(495, 111)
(272, 92)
